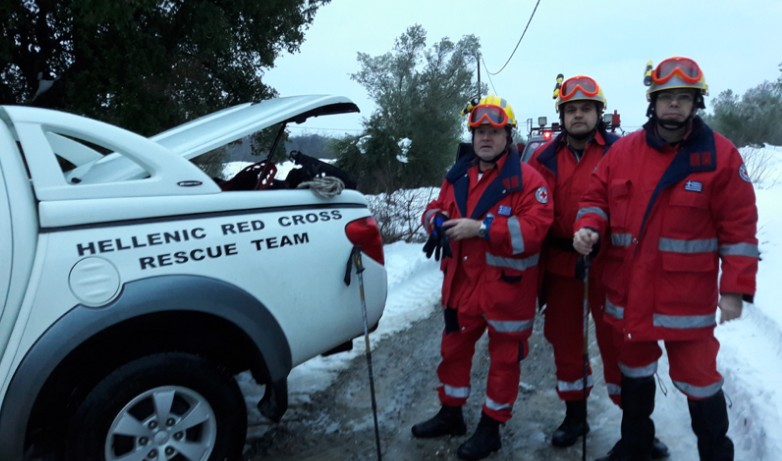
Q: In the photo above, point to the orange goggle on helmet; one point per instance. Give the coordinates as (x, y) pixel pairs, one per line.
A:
(579, 88)
(687, 69)
(492, 110)
(676, 72)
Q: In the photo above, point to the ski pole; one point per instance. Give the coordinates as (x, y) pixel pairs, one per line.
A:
(356, 253)
(585, 352)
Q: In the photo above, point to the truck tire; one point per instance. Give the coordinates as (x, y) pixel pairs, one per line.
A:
(162, 406)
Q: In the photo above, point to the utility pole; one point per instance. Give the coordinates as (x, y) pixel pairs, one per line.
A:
(478, 61)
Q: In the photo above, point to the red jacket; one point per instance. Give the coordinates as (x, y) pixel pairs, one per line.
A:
(567, 180)
(673, 214)
(495, 277)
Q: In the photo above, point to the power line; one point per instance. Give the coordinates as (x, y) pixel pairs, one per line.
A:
(488, 75)
(517, 43)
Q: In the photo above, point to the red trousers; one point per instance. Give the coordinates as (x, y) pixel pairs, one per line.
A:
(506, 350)
(564, 329)
(693, 364)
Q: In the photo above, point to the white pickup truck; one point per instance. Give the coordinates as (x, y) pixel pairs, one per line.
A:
(133, 287)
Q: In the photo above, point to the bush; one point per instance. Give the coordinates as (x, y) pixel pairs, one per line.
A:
(760, 163)
(398, 214)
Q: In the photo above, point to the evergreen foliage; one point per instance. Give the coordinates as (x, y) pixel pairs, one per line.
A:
(146, 65)
(753, 119)
(411, 138)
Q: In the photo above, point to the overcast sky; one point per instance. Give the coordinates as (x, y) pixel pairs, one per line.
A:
(736, 42)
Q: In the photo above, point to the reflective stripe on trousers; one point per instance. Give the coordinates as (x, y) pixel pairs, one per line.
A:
(456, 392)
(577, 385)
(614, 390)
(698, 392)
(639, 372)
(497, 406)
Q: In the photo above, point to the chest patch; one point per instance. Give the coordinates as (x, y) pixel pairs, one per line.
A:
(504, 210)
(693, 186)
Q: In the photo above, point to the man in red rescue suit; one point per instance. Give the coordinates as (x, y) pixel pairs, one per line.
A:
(677, 201)
(566, 163)
(488, 221)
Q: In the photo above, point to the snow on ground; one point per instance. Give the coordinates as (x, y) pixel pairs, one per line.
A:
(749, 357)
(752, 346)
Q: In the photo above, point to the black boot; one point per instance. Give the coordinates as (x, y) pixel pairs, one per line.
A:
(619, 453)
(574, 425)
(448, 421)
(659, 451)
(710, 424)
(483, 442)
(637, 408)
(637, 425)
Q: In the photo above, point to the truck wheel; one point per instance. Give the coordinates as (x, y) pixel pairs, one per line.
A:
(161, 407)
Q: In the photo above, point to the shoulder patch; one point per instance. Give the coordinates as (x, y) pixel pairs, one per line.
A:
(541, 194)
(743, 174)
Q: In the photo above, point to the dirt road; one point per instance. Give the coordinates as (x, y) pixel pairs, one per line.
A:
(338, 423)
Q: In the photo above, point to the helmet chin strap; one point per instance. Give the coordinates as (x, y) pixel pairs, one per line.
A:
(672, 124)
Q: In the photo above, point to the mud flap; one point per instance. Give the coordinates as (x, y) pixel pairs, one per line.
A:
(274, 403)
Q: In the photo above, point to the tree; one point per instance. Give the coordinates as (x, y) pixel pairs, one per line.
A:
(411, 138)
(145, 64)
(752, 119)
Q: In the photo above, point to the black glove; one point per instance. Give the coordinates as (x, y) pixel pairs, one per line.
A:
(431, 243)
(438, 241)
(446, 244)
(437, 245)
